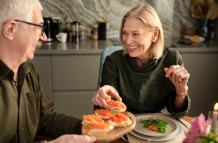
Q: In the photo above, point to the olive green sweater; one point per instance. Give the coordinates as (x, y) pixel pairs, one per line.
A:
(143, 89)
(25, 110)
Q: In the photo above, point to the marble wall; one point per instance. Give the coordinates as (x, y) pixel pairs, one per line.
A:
(174, 14)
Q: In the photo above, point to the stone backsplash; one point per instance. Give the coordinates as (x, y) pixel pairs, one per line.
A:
(174, 14)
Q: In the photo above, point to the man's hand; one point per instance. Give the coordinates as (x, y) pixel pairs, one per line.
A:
(73, 139)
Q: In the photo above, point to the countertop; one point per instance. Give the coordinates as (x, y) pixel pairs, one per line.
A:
(209, 46)
(96, 47)
(84, 47)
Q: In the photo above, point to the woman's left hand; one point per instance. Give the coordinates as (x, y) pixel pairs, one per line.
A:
(179, 76)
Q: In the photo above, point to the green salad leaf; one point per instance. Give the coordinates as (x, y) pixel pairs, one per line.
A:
(160, 124)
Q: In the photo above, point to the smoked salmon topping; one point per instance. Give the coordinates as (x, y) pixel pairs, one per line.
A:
(153, 127)
(117, 104)
(119, 117)
(104, 113)
(93, 119)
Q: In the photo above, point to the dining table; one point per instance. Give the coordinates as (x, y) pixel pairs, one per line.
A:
(185, 118)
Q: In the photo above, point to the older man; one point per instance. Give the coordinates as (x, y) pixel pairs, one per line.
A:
(25, 111)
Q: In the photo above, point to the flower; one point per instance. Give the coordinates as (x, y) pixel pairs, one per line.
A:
(200, 131)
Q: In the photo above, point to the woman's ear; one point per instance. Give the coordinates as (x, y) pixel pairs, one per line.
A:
(155, 35)
(8, 29)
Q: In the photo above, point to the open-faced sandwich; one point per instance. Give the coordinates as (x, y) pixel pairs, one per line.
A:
(116, 106)
(119, 120)
(116, 119)
(95, 126)
(104, 114)
(97, 130)
(91, 119)
(101, 124)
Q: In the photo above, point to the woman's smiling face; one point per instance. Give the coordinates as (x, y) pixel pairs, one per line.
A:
(137, 38)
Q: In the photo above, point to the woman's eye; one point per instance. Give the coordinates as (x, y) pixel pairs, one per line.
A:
(124, 33)
(136, 34)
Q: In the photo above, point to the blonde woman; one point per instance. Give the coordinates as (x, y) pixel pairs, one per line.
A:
(144, 75)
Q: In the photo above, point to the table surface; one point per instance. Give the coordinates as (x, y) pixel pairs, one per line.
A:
(187, 118)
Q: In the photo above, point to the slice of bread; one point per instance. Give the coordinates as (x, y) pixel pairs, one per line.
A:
(116, 106)
(97, 130)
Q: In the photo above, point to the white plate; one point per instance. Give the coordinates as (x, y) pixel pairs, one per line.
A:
(166, 138)
(170, 127)
(170, 136)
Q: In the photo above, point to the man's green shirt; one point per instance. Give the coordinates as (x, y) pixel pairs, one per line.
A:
(25, 110)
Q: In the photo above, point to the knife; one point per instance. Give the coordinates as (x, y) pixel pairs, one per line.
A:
(180, 122)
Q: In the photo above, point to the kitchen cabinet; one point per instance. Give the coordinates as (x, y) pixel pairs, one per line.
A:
(203, 83)
(43, 64)
(69, 73)
(75, 83)
(71, 81)
(75, 72)
(76, 103)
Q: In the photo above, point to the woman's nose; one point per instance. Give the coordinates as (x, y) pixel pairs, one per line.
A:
(43, 37)
(128, 39)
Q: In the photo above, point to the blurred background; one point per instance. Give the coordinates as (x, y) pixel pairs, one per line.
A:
(178, 17)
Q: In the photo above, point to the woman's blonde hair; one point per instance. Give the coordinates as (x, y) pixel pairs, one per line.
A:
(150, 18)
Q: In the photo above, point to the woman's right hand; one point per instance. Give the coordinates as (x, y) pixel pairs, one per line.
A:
(104, 94)
(73, 139)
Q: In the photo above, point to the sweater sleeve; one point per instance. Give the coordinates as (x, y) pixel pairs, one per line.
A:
(184, 111)
(170, 104)
(109, 73)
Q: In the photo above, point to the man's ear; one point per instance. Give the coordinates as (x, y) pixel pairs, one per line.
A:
(8, 29)
(155, 34)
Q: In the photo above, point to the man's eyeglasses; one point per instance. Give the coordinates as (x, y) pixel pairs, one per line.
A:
(33, 24)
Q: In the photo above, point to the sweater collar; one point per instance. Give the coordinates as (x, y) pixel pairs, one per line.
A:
(147, 67)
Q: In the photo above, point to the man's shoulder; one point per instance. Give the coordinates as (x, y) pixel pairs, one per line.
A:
(28, 65)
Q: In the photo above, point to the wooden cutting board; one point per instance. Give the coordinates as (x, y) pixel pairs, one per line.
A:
(117, 132)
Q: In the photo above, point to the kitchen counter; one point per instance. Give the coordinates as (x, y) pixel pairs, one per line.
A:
(84, 47)
(95, 47)
(209, 46)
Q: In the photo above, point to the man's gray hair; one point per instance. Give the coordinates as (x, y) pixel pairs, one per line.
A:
(17, 9)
